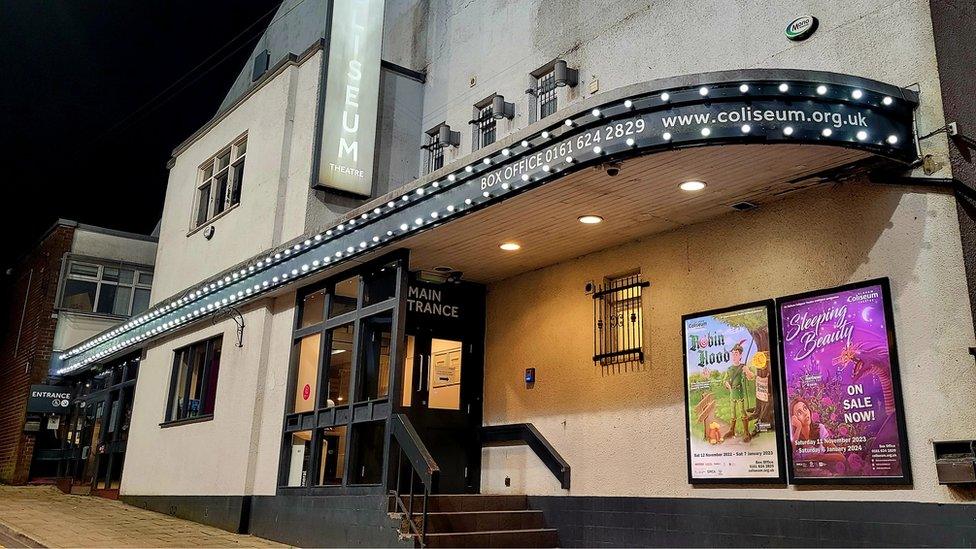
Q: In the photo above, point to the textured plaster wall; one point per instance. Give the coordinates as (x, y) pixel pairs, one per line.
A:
(222, 456)
(622, 430)
(113, 247)
(279, 120)
(475, 49)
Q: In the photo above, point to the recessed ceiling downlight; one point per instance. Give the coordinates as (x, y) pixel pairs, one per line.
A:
(510, 246)
(589, 219)
(692, 186)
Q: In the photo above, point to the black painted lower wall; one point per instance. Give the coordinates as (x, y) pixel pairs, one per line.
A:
(326, 521)
(701, 522)
(225, 512)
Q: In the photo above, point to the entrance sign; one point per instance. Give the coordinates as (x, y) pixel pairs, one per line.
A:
(841, 384)
(732, 407)
(347, 133)
(48, 399)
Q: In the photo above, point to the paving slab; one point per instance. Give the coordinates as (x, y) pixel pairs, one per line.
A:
(43, 516)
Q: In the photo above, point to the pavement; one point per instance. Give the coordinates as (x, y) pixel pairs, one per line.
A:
(43, 516)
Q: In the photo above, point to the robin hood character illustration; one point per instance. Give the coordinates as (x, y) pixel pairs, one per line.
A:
(735, 382)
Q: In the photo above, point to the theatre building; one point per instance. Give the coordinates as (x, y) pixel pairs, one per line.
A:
(577, 274)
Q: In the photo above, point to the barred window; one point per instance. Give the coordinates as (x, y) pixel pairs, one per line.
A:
(434, 151)
(546, 91)
(618, 332)
(484, 124)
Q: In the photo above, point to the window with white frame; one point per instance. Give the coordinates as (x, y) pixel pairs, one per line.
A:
(221, 178)
(113, 289)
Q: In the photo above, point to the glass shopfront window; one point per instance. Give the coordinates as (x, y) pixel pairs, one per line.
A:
(332, 456)
(339, 365)
(341, 371)
(299, 458)
(306, 359)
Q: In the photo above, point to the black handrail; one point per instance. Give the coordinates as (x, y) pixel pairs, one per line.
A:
(526, 433)
(422, 466)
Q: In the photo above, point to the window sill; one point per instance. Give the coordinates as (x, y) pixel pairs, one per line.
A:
(186, 421)
(211, 221)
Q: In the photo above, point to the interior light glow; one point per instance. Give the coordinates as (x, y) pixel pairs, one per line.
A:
(692, 186)
(510, 246)
(589, 219)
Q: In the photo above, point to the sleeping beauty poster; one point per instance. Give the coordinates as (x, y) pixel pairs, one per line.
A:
(843, 412)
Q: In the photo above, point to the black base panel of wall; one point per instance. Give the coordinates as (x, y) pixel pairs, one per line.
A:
(700, 522)
(224, 512)
(325, 521)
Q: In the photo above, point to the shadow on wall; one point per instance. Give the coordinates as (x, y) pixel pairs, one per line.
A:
(819, 238)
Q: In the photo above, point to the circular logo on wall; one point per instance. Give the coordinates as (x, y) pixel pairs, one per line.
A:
(801, 28)
(56, 403)
(306, 391)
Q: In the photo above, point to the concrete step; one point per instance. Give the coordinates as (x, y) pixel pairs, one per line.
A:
(536, 537)
(483, 521)
(472, 502)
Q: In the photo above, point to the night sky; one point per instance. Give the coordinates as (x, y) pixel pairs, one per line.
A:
(93, 100)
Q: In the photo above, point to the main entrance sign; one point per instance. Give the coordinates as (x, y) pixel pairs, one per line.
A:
(757, 106)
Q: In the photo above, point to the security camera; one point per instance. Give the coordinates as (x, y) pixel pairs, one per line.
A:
(612, 169)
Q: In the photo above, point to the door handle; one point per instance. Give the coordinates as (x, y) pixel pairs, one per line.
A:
(420, 375)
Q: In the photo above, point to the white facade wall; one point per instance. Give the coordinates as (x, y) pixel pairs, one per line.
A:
(237, 451)
(279, 120)
(497, 44)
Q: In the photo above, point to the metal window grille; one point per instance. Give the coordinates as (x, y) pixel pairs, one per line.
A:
(546, 89)
(435, 152)
(486, 126)
(618, 327)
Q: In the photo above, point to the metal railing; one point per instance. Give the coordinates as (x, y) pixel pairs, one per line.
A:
(526, 433)
(421, 466)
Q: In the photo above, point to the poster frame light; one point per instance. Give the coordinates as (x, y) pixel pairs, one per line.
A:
(774, 390)
(905, 450)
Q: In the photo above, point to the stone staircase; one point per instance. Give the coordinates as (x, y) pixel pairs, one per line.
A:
(475, 520)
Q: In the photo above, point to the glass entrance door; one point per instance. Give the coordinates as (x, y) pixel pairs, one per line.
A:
(441, 395)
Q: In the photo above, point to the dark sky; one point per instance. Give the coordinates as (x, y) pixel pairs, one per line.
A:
(83, 135)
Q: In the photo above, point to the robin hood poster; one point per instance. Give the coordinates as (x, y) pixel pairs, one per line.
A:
(843, 398)
(730, 396)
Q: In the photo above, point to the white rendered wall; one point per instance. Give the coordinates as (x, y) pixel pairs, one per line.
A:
(622, 432)
(238, 448)
(497, 44)
(279, 120)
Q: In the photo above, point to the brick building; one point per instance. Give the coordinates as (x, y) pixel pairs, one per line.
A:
(60, 293)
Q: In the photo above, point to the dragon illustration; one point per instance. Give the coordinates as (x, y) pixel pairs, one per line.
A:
(869, 360)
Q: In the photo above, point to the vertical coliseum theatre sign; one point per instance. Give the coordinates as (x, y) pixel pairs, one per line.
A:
(347, 130)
